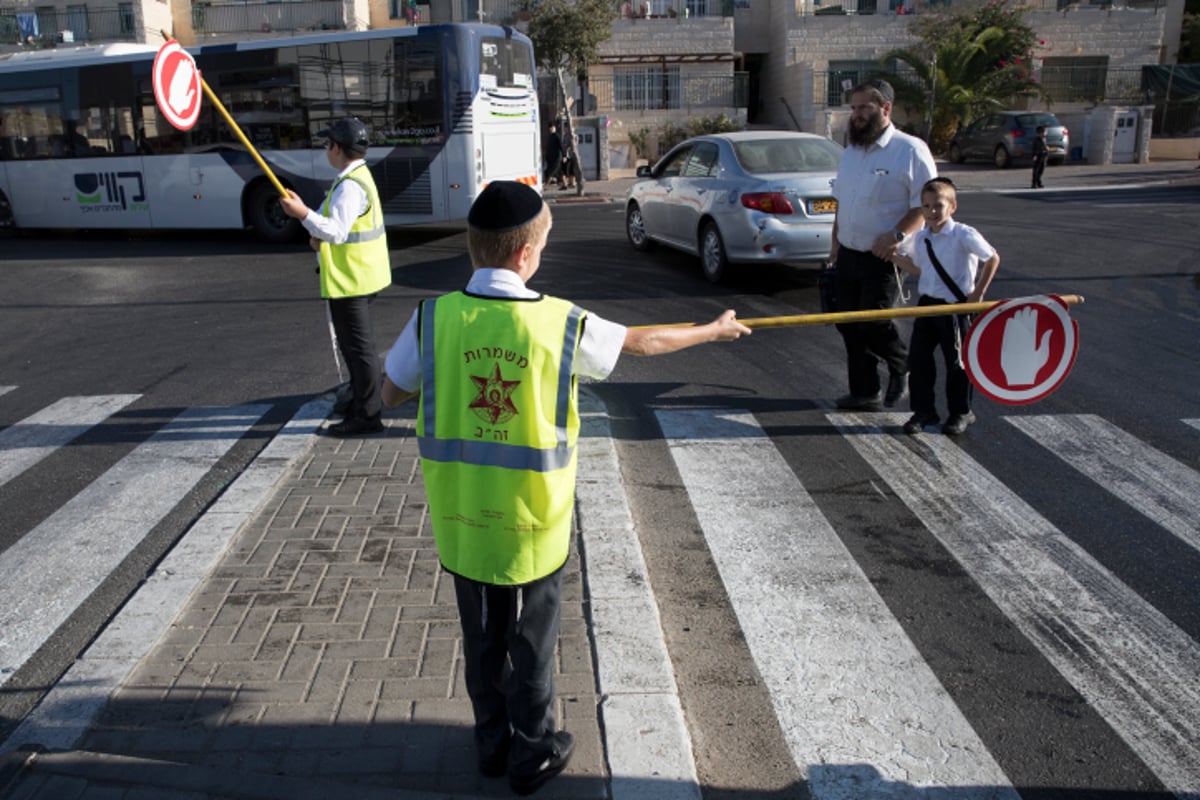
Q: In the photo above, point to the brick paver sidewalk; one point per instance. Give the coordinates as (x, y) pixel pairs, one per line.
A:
(320, 659)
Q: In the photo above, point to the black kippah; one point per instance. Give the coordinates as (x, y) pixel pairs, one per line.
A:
(504, 206)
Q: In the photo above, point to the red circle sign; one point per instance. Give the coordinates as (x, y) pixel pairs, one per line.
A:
(1021, 350)
(177, 85)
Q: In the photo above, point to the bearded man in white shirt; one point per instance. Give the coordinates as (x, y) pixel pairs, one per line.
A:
(878, 189)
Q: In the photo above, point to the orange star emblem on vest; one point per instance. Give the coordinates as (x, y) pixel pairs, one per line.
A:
(494, 403)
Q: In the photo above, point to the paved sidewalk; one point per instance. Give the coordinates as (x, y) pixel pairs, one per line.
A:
(319, 659)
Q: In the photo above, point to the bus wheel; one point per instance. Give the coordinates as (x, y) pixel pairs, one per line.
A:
(266, 217)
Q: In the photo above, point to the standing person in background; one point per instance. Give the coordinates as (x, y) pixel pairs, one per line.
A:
(554, 157)
(1040, 153)
(878, 190)
(496, 368)
(352, 256)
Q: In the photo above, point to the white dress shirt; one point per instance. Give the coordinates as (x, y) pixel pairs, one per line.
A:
(348, 202)
(960, 250)
(878, 184)
(599, 346)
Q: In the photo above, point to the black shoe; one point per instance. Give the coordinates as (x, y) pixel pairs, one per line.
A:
(897, 387)
(357, 426)
(957, 423)
(917, 422)
(851, 402)
(343, 396)
(556, 762)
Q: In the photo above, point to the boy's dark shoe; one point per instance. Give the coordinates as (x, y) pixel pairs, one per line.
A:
(897, 387)
(957, 423)
(917, 422)
(495, 764)
(556, 762)
(850, 402)
(357, 426)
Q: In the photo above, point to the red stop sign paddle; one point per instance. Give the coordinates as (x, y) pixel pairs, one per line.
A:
(1021, 350)
(177, 85)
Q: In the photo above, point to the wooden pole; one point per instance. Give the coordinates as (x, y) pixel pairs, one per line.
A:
(870, 315)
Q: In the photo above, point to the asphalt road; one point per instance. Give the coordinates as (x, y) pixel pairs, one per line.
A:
(187, 321)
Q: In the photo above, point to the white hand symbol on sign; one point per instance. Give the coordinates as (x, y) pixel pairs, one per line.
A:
(1018, 357)
(181, 92)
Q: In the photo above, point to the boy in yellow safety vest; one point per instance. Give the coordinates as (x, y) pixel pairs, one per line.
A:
(495, 369)
(352, 253)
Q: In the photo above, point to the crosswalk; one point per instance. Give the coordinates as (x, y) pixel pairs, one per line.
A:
(51, 570)
(861, 708)
(862, 711)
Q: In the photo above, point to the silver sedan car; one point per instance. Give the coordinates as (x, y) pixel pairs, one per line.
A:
(735, 198)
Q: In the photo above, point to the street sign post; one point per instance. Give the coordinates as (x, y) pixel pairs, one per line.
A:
(1021, 350)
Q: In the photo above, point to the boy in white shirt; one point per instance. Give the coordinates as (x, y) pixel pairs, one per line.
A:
(967, 265)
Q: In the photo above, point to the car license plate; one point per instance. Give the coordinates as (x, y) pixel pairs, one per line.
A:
(1055, 149)
(822, 206)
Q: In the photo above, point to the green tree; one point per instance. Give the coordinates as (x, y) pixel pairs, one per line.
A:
(567, 34)
(966, 63)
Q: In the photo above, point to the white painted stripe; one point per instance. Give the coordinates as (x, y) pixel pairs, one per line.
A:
(1155, 484)
(53, 568)
(861, 710)
(67, 711)
(6, 389)
(647, 760)
(1134, 666)
(29, 441)
(1195, 423)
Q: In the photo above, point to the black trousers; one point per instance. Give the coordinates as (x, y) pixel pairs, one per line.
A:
(1039, 166)
(509, 636)
(352, 324)
(928, 334)
(864, 282)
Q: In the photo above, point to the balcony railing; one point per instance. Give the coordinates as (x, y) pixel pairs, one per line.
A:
(655, 91)
(213, 19)
(904, 7)
(79, 25)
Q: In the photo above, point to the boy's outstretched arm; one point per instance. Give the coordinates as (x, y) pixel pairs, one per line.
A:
(659, 339)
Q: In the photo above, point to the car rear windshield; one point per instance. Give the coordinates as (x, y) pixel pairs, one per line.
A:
(1035, 120)
(787, 155)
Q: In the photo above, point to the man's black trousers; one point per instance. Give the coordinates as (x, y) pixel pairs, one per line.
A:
(864, 282)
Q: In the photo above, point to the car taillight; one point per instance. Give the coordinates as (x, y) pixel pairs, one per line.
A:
(1018, 132)
(768, 202)
(1066, 132)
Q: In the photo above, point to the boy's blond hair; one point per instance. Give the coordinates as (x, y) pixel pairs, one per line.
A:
(495, 248)
(942, 187)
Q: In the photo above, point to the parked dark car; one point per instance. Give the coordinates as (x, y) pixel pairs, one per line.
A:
(1007, 136)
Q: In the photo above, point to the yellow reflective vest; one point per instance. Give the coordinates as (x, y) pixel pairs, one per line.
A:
(497, 427)
(360, 266)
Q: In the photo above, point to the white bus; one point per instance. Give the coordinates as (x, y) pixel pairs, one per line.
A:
(449, 107)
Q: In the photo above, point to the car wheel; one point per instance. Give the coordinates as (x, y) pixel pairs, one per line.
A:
(712, 253)
(956, 156)
(1001, 157)
(266, 217)
(635, 228)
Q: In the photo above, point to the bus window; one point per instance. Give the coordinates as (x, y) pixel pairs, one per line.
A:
(32, 119)
(105, 121)
(420, 106)
(505, 64)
